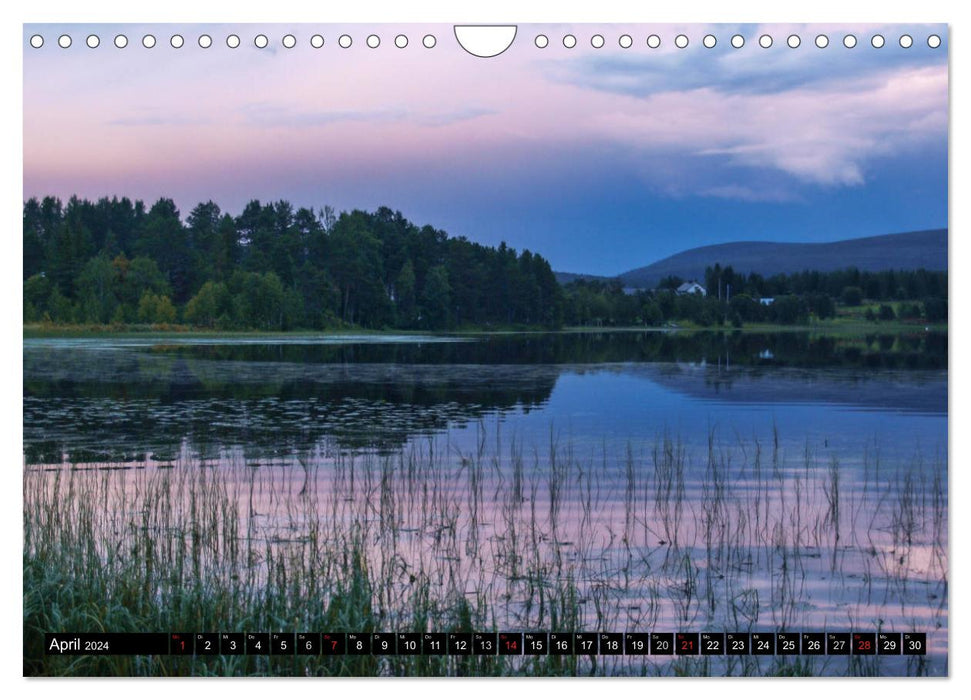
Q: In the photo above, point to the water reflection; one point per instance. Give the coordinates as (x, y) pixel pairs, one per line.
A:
(914, 350)
(145, 398)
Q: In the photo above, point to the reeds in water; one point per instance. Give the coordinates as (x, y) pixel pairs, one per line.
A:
(514, 538)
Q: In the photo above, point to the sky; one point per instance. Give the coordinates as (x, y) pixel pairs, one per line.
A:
(601, 159)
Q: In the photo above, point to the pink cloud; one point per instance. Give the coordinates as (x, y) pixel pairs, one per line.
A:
(824, 134)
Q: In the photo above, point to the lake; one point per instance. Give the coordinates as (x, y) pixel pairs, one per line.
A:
(602, 481)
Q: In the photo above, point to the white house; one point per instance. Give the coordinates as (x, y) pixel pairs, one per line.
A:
(691, 288)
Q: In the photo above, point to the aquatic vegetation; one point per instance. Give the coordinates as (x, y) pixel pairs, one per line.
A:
(502, 536)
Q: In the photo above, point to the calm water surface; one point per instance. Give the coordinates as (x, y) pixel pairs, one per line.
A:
(89, 400)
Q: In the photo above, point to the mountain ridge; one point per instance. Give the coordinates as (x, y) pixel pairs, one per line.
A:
(894, 251)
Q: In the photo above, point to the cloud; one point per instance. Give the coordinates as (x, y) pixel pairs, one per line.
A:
(747, 193)
(270, 115)
(158, 120)
(446, 118)
(827, 133)
(749, 70)
(762, 125)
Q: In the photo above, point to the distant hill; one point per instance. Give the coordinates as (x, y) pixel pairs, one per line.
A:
(567, 277)
(897, 251)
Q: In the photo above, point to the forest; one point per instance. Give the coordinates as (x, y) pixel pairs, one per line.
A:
(737, 299)
(274, 267)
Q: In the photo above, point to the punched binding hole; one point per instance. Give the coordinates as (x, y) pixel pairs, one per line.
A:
(485, 40)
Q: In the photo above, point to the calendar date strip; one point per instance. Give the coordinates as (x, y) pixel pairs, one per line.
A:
(488, 643)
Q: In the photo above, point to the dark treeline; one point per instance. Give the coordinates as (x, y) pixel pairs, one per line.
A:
(734, 298)
(272, 267)
(886, 285)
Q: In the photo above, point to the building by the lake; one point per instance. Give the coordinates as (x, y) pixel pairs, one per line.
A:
(692, 288)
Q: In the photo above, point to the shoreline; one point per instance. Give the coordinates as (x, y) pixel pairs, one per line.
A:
(826, 328)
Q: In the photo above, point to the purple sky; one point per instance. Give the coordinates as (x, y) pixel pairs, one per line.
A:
(600, 159)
